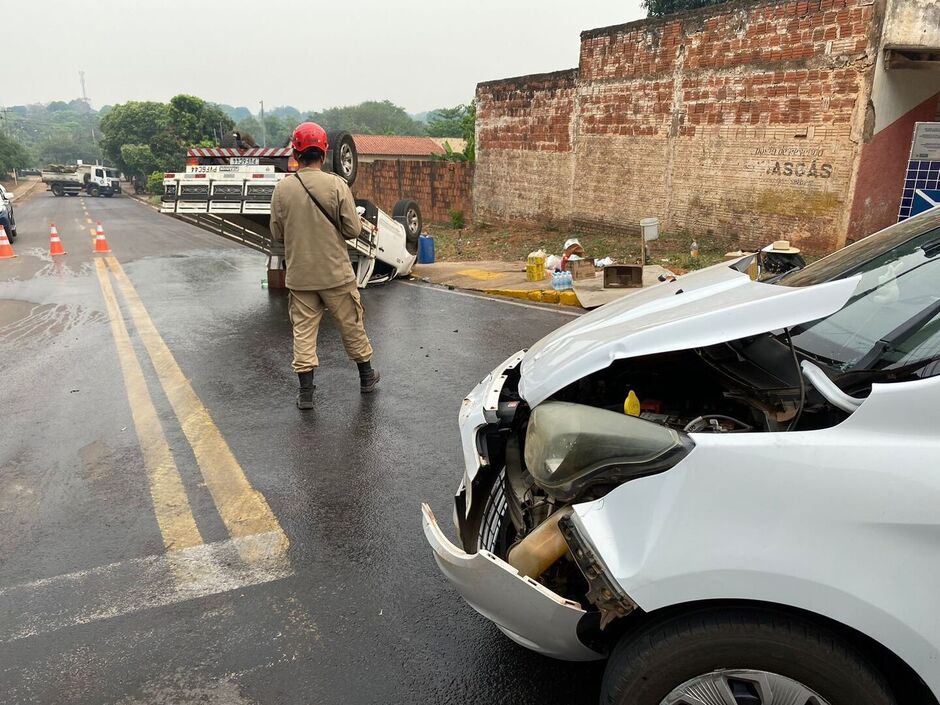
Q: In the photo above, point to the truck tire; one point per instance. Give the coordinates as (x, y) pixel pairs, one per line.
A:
(343, 158)
(57, 190)
(408, 214)
(758, 656)
(93, 191)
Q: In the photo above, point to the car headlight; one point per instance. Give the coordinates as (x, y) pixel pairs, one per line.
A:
(571, 447)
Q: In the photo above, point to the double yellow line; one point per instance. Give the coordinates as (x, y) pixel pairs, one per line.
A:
(244, 510)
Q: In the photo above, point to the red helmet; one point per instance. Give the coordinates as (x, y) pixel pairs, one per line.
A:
(309, 135)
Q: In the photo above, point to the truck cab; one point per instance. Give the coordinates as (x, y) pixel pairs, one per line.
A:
(101, 180)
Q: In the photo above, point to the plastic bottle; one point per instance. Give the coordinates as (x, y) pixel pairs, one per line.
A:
(631, 405)
(556, 280)
(693, 250)
(569, 280)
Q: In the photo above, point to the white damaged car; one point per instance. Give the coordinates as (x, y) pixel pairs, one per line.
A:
(763, 527)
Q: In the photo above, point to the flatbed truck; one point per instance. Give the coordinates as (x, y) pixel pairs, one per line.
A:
(227, 191)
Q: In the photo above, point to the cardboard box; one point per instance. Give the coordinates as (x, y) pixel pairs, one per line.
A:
(623, 276)
(582, 269)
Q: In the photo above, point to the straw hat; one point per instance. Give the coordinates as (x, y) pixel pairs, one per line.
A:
(782, 247)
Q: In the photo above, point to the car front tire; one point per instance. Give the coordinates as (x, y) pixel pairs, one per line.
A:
(740, 657)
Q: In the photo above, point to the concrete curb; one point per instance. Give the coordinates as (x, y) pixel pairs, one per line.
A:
(544, 296)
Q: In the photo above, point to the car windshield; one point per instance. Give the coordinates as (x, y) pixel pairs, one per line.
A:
(894, 308)
(847, 261)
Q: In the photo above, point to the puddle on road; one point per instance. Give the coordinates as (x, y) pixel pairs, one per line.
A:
(26, 321)
(47, 299)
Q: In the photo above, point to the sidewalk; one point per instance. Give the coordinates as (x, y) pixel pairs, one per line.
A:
(26, 187)
(508, 279)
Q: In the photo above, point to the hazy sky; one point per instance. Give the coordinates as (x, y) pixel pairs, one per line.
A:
(420, 54)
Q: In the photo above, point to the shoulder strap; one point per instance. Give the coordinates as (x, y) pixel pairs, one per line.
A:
(317, 204)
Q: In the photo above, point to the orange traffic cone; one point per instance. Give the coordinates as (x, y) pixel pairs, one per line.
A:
(6, 250)
(101, 242)
(55, 244)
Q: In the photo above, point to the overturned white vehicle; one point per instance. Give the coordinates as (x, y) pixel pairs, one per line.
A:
(766, 530)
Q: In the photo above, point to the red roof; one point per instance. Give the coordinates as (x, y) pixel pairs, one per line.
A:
(395, 145)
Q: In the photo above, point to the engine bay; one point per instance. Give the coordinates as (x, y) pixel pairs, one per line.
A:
(751, 385)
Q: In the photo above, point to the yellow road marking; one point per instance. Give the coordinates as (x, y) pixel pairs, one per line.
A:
(243, 509)
(171, 505)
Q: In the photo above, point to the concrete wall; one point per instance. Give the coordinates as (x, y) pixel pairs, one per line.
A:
(912, 24)
(737, 124)
(899, 99)
(437, 186)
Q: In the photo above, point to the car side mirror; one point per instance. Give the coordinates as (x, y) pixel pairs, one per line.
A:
(8, 196)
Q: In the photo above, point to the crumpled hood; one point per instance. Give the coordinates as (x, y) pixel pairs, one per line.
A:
(706, 307)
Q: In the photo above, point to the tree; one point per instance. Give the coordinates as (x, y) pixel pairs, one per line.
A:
(370, 118)
(55, 133)
(447, 122)
(658, 8)
(166, 129)
(469, 125)
(139, 158)
(12, 155)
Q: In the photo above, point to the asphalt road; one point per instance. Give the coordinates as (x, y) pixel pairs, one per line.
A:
(173, 530)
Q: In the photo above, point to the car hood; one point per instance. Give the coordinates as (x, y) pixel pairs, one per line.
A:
(706, 307)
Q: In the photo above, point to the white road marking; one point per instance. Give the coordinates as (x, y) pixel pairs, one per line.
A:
(495, 299)
(138, 584)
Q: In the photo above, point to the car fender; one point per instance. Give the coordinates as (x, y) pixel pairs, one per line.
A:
(841, 522)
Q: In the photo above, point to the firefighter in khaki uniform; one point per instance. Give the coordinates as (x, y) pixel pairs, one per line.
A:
(313, 213)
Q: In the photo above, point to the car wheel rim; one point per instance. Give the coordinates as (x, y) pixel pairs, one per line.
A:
(412, 218)
(743, 688)
(346, 159)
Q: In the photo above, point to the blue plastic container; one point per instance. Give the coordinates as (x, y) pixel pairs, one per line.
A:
(425, 249)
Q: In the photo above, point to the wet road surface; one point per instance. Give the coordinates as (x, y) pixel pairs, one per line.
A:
(173, 530)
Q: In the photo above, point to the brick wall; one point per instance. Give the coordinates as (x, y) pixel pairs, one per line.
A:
(737, 124)
(437, 186)
(524, 147)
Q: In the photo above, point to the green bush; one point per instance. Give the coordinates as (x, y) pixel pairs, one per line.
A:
(456, 219)
(155, 183)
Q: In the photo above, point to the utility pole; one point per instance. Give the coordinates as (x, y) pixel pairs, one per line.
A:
(264, 134)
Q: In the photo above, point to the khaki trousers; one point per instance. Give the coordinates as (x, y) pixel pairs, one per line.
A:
(306, 309)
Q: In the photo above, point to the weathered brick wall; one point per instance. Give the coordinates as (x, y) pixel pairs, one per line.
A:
(737, 124)
(524, 147)
(437, 186)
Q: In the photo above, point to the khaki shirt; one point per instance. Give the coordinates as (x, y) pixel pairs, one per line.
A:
(316, 254)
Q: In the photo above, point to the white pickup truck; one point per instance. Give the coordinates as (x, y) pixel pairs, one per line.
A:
(93, 179)
(227, 191)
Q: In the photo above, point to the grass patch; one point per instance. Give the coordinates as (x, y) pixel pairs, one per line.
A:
(513, 243)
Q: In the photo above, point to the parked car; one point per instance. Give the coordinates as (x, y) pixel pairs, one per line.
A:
(6, 213)
(766, 529)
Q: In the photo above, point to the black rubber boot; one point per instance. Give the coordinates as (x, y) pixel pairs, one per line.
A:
(368, 378)
(305, 393)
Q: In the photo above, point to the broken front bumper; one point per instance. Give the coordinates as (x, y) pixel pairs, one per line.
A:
(526, 611)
